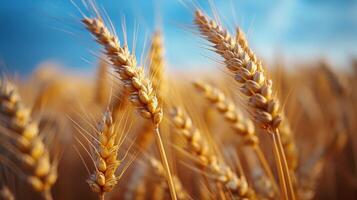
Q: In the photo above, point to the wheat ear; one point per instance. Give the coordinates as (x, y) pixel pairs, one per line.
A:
(140, 88)
(156, 73)
(40, 173)
(243, 42)
(200, 149)
(157, 65)
(255, 85)
(242, 125)
(103, 179)
(288, 141)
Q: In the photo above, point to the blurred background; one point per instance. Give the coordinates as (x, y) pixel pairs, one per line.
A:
(35, 31)
(316, 39)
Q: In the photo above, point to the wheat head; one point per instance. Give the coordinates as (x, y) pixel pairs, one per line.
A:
(255, 84)
(140, 88)
(141, 91)
(40, 172)
(199, 147)
(157, 64)
(103, 179)
(241, 124)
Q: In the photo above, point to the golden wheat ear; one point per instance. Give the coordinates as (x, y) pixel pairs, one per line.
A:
(141, 92)
(27, 145)
(288, 141)
(157, 76)
(200, 149)
(241, 124)
(103, 179)
(255, 85)
(157, 65)
(105, 142)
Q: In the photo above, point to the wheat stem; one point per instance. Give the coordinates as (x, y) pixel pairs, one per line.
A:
(47, 195)
(165, 162)
(279, 167)
(102, 196)
(284, 163)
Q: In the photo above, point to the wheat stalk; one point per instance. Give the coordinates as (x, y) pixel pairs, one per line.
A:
(199, 147)
(255, 85)
(40, 173)
(140, 191)
(140, 88)
(160, 171)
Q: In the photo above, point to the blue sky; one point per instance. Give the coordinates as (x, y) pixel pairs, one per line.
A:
(34, 31)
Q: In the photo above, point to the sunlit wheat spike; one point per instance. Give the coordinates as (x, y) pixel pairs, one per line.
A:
(104, 177)
(141, 92)
(254, 82)
(140, 88)
(255, 85)
(156, 73)
(288, 141)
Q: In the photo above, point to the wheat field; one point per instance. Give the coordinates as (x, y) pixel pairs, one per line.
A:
(137, 130)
